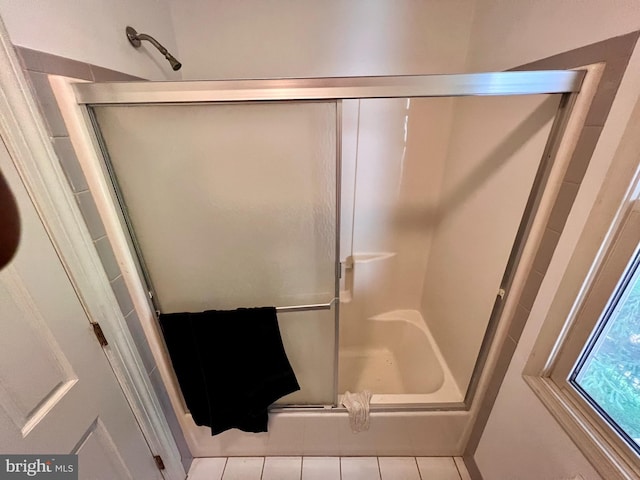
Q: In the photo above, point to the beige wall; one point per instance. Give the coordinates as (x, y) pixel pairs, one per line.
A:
(507, 33)
(92, 31)
(488, 174)
(521, 439)
(306, 38)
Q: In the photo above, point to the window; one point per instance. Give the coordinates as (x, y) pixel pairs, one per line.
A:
(607, 373)
(590, 380)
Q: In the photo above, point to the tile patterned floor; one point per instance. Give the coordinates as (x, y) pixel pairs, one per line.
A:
(328, 468)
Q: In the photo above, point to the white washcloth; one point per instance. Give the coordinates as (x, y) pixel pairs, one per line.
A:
(358, 407)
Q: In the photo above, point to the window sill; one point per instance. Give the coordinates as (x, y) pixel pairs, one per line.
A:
(612, 462)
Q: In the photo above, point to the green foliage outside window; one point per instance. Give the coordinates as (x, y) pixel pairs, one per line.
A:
(611, 375)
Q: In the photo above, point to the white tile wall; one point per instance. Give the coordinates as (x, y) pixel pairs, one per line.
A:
(328, 468)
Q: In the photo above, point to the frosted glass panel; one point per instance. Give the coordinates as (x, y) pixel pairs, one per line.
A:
(232, 205)
(309, 339)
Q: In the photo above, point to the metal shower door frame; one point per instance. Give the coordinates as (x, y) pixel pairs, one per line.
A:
(564, 82)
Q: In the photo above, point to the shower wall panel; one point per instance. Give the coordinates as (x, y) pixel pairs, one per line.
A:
(495, 147)
(392, 187)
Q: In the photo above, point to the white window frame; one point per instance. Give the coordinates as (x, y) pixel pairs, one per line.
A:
(604, 285)
(600, 257)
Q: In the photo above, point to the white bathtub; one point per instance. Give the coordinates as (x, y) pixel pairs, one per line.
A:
(395, 357)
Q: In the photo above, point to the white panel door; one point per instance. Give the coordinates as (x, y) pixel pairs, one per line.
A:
(57, 391)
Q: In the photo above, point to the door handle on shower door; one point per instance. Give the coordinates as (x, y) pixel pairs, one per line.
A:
(346, 279)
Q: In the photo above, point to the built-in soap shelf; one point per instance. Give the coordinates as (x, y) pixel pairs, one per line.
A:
(369, 257)
(348, 265)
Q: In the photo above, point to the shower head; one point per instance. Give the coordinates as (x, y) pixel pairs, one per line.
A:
(136, 38)
(175, 64)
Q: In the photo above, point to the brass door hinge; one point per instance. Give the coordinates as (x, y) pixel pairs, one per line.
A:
(99, 334)
(159, 462)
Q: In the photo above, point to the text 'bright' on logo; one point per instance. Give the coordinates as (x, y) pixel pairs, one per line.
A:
(50, 467)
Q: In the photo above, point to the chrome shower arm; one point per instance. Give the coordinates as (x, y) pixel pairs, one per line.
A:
(136, 38)
(158, 45)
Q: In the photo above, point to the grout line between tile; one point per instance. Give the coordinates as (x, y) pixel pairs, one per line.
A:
(379, 469)
(457, 468)
(264, 460)
(415, 459)
(226, 459)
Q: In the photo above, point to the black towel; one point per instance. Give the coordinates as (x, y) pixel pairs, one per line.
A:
(231, 365)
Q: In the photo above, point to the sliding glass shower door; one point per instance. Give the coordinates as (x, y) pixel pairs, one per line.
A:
(235, 205)
(230, 192)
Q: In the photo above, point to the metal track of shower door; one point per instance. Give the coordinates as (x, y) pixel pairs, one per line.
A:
(126, 219)
(334, 88)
